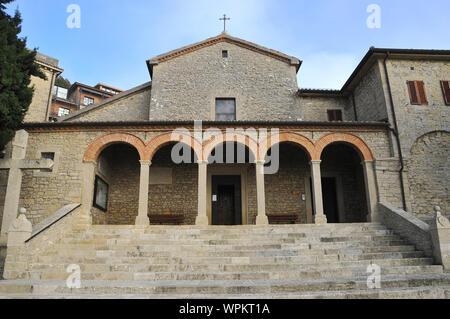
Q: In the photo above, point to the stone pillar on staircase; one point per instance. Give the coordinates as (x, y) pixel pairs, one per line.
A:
(142, 218)
(261, 218)
(319, 218)
(440, 236)
(87, 194)
(371, 190)
(202, 218)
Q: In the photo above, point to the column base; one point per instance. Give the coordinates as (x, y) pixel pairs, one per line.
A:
(262, 220)
(142, 221)
(320, 220)
(202, 221)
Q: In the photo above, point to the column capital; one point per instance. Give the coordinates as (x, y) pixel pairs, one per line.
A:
(260, 162)
(366, 162)
(202, 162)
(146, 162)
(315, 162)
(90, 162)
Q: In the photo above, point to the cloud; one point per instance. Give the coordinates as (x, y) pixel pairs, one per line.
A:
(322, 70)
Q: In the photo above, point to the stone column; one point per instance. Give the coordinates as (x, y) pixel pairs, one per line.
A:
(261, 218)
(371, 190)
(320, 218)
(87, 193)
(440, 236)
(142, 219)
(12, 196)
(202, 218)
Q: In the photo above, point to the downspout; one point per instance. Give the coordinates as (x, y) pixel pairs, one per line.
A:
(396, 133)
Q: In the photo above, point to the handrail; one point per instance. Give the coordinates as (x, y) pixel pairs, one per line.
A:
(53, 219)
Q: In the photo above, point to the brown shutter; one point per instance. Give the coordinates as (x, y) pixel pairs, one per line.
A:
(446, 90)
(334, 115)
(422, 95)
(412, 92)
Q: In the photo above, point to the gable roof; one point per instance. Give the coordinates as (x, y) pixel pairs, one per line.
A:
(223, 37)
(113, 99)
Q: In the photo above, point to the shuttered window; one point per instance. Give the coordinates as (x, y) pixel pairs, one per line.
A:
(417, 93)
(446, 91)
(334, 115)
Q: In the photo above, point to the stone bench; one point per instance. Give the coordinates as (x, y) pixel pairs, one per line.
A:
(166, 219)
(282, 219)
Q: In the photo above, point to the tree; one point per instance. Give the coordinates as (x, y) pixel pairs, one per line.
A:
(16, 68)
(62, 82)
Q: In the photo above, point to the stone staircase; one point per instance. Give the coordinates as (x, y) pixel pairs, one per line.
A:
(250, 262)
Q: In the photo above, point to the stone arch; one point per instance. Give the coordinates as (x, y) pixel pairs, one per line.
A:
(236, 137)
(353, 140)
(291, 137)
(428, 173)
(97, 146)
(160, 141)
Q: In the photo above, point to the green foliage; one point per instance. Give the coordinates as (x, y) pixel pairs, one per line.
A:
(16, 68)
(62, 82)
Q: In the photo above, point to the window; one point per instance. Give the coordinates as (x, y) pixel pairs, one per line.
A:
(225, 109)
(334, 115)
(63, 112)
(60, 92)
(224, 54)
(417, 93)
(446, 91)
(47, 156)
(88, 101)
(101, 190)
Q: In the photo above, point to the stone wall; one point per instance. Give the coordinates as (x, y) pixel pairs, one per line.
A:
(186, 87)
(3, 183)
(424, 151)
(37, 112)
(370, 99)
(315, 108)
(133, 107)
(429, 174)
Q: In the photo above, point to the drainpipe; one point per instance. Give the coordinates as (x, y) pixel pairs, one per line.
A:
(396, 133)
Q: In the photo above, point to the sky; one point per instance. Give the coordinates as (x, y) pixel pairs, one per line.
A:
(115, 38)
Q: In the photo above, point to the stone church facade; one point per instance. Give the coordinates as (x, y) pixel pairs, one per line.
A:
(381, 148)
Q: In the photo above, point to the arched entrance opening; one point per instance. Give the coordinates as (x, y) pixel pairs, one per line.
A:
(343, 184)
(173, 189)
(116, 190)
(231, 184)
(287, 184)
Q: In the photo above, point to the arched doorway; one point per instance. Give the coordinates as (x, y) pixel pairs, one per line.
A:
(287, 184)
(173, 189)
(231, 184)
(116, 190)
(343, 184)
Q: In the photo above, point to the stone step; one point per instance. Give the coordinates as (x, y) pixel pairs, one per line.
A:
(224, 236)
(53, 274)
(216, 268)
(442, 292)
(109, 257)
(235, 287)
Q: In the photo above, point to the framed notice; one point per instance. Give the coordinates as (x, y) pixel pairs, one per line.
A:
(101, 193)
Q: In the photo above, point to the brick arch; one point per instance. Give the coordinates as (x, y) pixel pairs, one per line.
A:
(97, 146)
(162, 140)
(291, 137)
(236, 137)
(353, 140)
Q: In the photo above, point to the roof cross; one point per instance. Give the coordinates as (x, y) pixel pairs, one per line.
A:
(225, 19)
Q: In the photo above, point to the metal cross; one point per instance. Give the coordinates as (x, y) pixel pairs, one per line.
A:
(224, 22)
